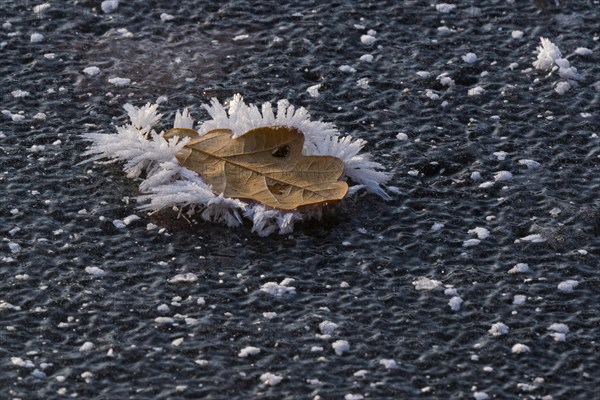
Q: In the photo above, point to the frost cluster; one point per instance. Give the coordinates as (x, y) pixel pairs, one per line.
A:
(166, 184)
(550, 59)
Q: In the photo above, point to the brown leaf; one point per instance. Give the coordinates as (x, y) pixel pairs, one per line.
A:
(264, 164)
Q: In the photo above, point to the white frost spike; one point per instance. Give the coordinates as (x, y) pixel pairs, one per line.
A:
(143, 117)
(183, 119)
(548, 52)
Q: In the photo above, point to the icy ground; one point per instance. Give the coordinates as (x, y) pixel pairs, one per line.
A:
(477, 280)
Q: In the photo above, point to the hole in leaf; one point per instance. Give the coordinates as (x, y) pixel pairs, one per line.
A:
(282, 151)
(277, 188)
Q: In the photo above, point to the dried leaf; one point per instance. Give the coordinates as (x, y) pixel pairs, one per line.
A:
(264, 164)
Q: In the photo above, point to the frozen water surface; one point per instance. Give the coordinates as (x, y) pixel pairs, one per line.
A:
(382, 299)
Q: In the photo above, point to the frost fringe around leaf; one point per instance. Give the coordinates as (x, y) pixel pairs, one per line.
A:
(167, 185)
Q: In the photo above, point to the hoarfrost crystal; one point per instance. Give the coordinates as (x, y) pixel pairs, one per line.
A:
(167, 184)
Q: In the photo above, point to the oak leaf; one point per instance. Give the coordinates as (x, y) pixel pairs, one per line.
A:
(264, 164)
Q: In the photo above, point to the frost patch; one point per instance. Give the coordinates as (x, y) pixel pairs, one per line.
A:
(270, 379)
(520, 348)
(120, 82)
(340, 347)
(535, 238)
(424, 283)
(184, 278)
(95, 271)
(498, 329)
(568, 285)
(327, 327)
(455, 303)
(248, 351)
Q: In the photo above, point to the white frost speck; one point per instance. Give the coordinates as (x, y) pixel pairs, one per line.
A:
(476, 91)
(38, 374)
(530, 164)
(424, 283)
(19, 93)
(481, 233)
(559, 328)
(248, 351)
(500, 155)
(270, 379)
(184, 278)
(361, 373)
(562, 87)
(163, 308)
(471, 242)
(40, 8)
(40, 116)
(519, 268)
(520, 348)
(388, 363)
(95, 271)
(128, 220)
(455, 303)
(363, 83)
(164, 17)
(278, 289)
(498, 329)
(535, 238)
(583, 51)
(451, 291)
(91, 71)
(240, 37)
(480, 396)
(87, 346)
(19, 362)
(177, 342)
(269, 315)
(519, 299)
(313, 90)
(120, 82)
(109, 6)
(470, 58)
(424, 74)
(340, 346)
(327, 327)
(446, 81)
(347, 68)
(445, 8)
(402, 136)
(567, 286)
(353, 396)
(14, 247)
(502, 176)
(367, 40)
(366, 58)
(516, 34)
(432, 95)
(36, 37)
(163, 320)
(119, 224)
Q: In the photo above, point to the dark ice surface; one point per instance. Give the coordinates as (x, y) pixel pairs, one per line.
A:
(357, 267)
